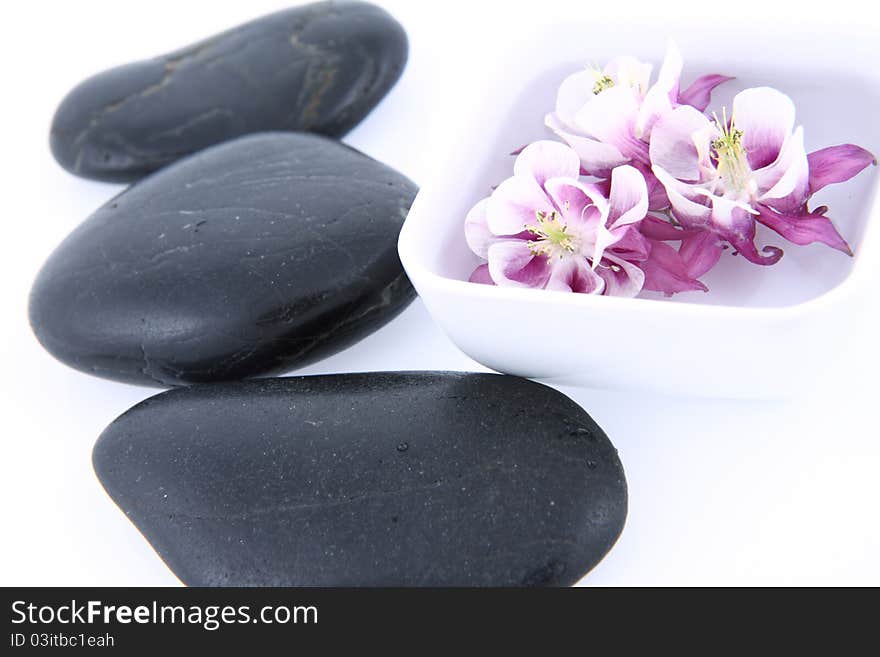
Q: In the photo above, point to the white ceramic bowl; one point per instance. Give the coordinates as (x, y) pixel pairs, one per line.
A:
(759, 332)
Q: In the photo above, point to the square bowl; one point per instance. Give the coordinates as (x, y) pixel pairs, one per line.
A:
(760, 332)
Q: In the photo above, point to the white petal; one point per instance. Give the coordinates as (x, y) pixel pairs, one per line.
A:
(595, 156)
(628, 282)
(682, 197)
(628, 198)
(629, 72)
(547, 159)
(574, 92)
(609, 117)
(514, 204)
(476, 231)
(766, 117)
(793, 165)
(658, 100)
(680, 143)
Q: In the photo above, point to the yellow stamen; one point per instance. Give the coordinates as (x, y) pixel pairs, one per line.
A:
(603, 82)
(552, 235)
(733, 166)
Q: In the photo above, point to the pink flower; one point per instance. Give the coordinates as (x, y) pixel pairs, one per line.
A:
(723, 176)
(544, 228)
(607, 115)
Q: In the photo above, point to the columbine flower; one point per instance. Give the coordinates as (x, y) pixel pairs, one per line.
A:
(544, 228)
(607, 115)
(724, 175)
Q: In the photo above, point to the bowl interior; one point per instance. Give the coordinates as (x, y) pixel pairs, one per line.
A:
(834, 106)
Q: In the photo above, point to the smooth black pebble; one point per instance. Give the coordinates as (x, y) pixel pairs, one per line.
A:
(302, 482)
(252, 257)
(319, 68)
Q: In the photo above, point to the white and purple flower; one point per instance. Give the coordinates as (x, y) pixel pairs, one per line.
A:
(607, 115)
(726, 175)
(546, 228)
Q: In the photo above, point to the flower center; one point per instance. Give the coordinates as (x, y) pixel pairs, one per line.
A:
(602, 83)
(552, 236)
(733, 165)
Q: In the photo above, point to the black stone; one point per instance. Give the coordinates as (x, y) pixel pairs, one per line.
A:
(319, 68)
(252, 257)
(383, 479)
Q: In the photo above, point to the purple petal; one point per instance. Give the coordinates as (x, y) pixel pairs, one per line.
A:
(574, 275)
(656, 228)
(481, 275)
(512, 264)
(700, 252)
(837, 164)
(737, 226)
(658, 200)
(631, 245)
(804, 229)
(666, 271)
(699, 93)
(575, 200)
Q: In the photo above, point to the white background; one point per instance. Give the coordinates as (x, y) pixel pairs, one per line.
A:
(720, 492)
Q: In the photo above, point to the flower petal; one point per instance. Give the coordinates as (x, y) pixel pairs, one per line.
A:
(628, 204)
(573, 275)
(578, 202)
(666, 271)
(680, 143)
(687, 205)
(700, 251)
(658, 101)
(597, 158)
(655, 228)
(476, 232)
(512, 264)
(622, 278)
(766, 117)
(837, 164)
(575, 91)
(513, 205)
(610, 118)
(481, 275)
(631, 244)
(791, 189)
(629, 72)
(628, 200)
(737, 225)
(699, 93)
(547, 159)
(804, 229)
